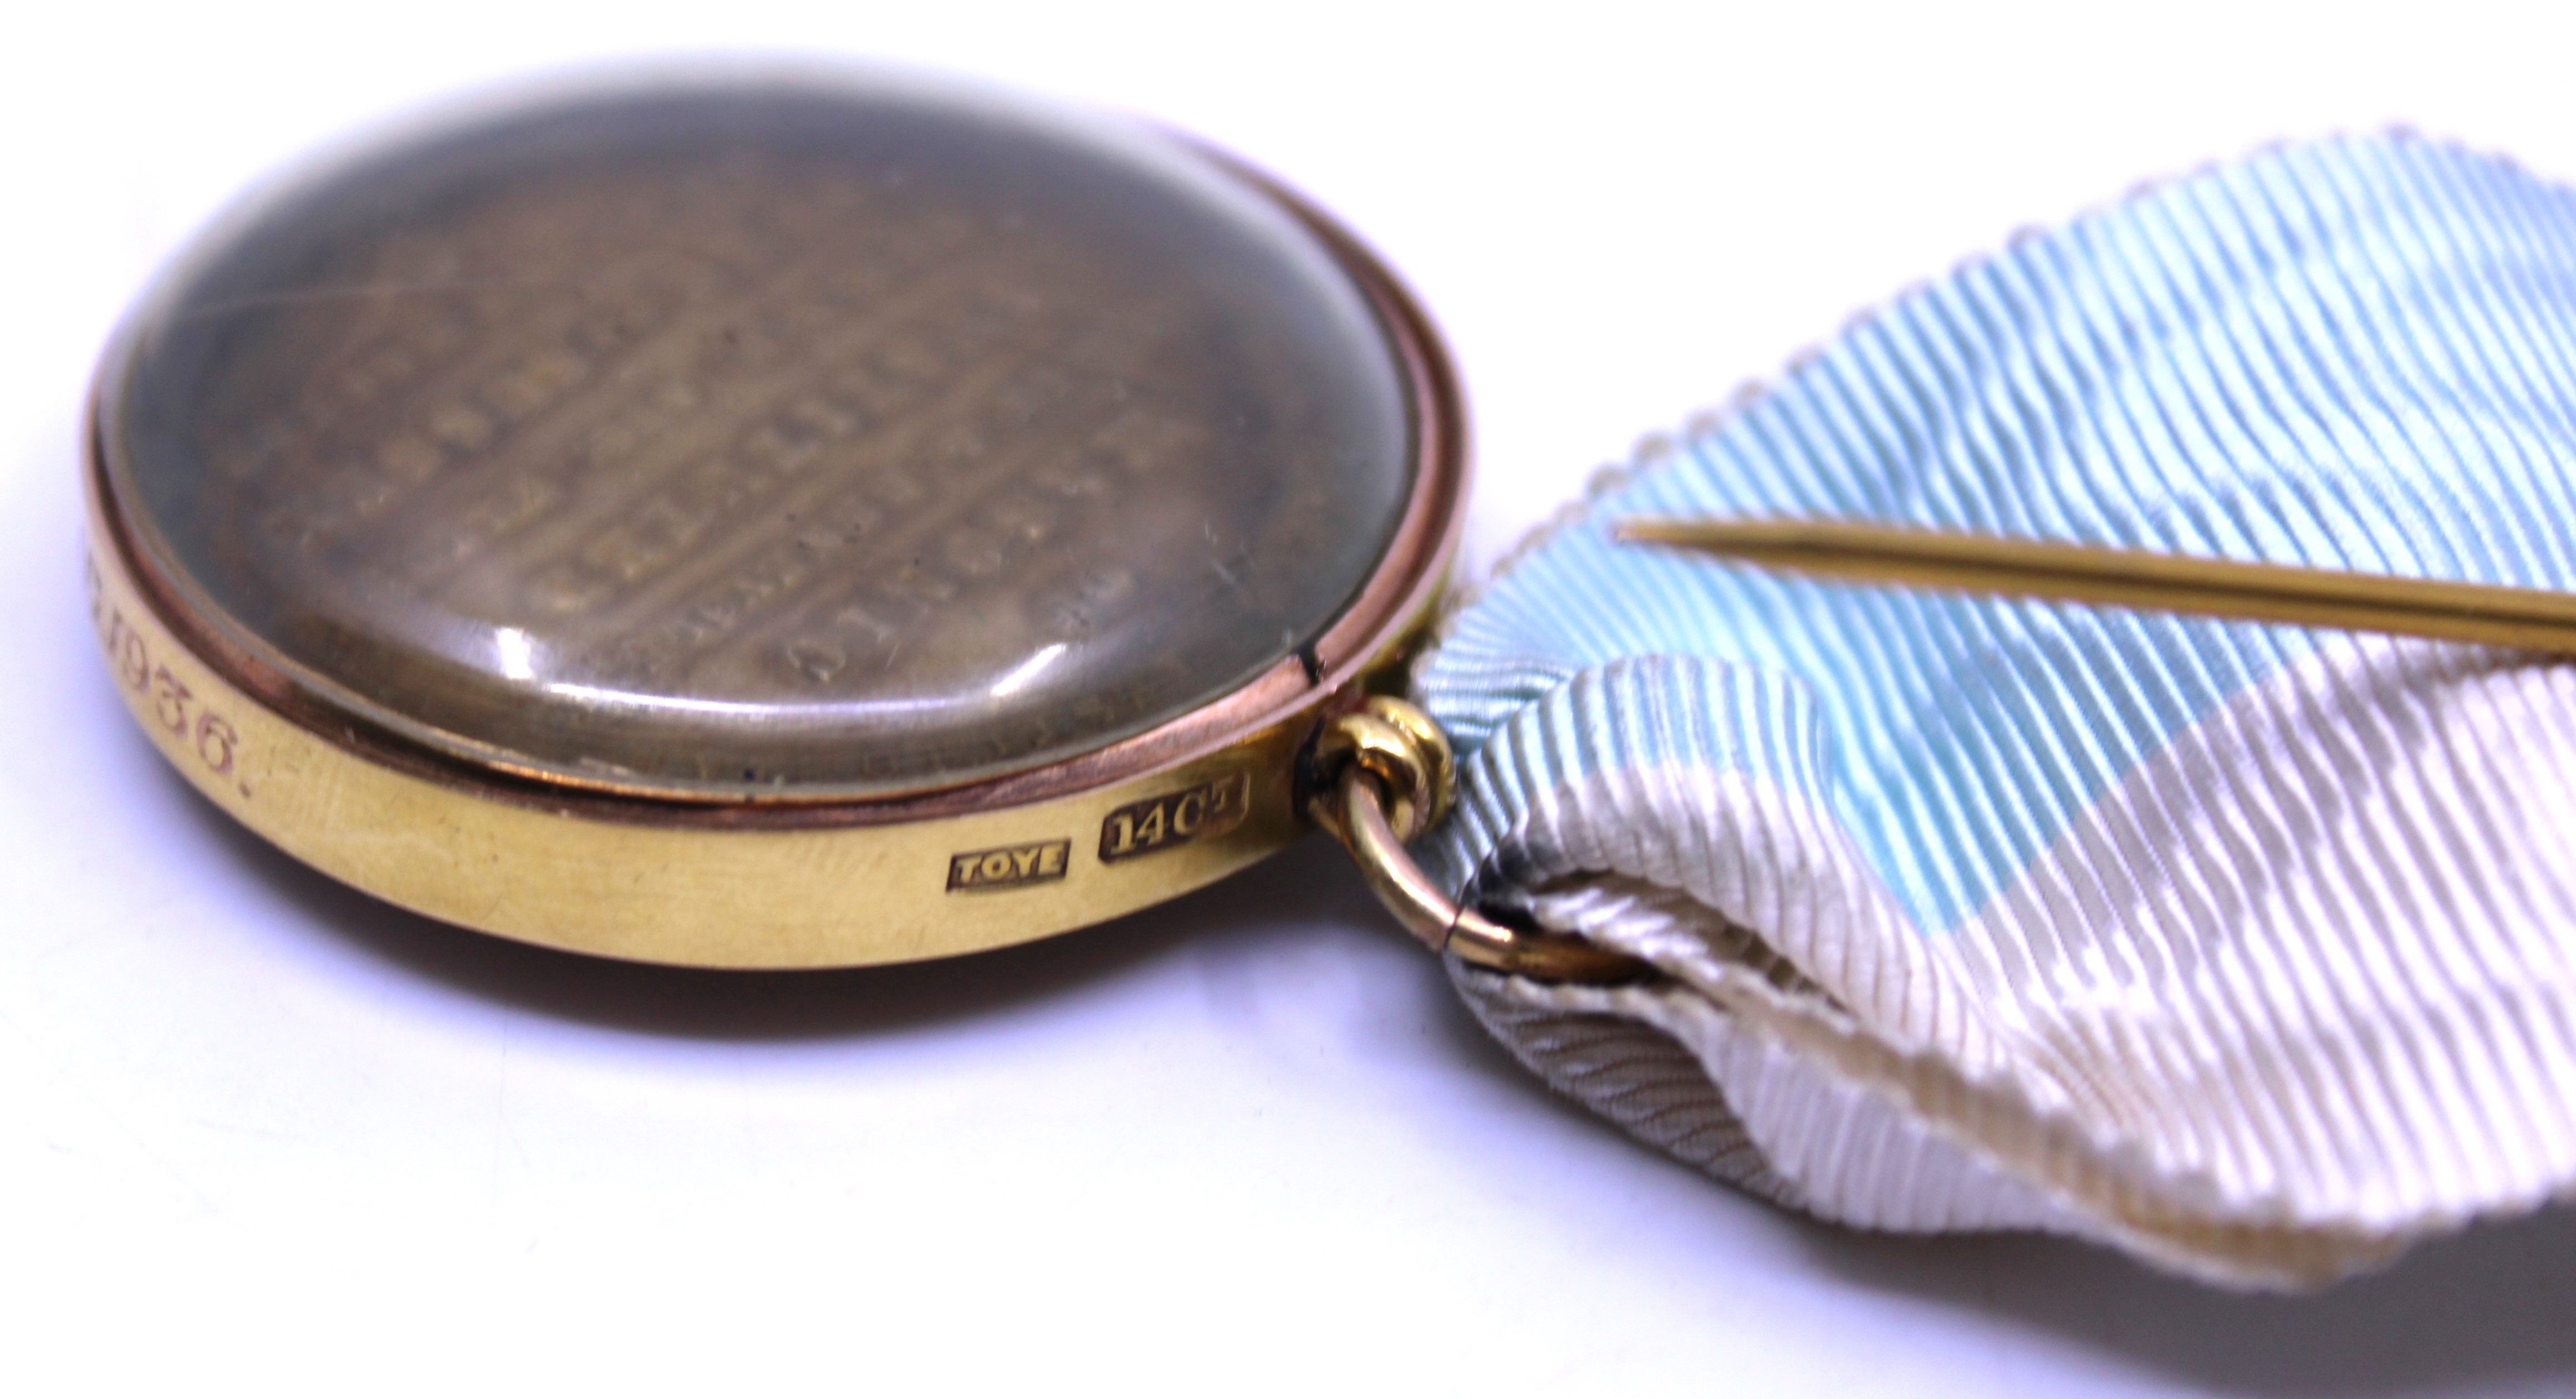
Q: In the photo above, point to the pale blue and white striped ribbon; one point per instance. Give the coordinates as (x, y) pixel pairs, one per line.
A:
(2249, 948)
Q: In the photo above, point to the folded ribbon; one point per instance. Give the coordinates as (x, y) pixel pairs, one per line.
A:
(2248, 948)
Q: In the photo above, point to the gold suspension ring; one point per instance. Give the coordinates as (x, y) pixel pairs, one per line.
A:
(1386, 777)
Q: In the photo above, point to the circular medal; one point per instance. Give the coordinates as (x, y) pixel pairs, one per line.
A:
(791, 522)
(798, 522)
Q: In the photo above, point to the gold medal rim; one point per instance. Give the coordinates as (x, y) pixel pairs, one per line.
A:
(778, 880)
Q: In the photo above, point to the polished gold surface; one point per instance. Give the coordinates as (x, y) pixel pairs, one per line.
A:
(1401, 750)
(2317, 597)
(787, 441)
(1285, 532)
(565, 876)
(1384, 773)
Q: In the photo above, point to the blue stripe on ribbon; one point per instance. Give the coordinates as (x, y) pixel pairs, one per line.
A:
(2359, 353)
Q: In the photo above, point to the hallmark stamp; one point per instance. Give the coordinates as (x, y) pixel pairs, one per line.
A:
(1010, 867)
(1211, 808)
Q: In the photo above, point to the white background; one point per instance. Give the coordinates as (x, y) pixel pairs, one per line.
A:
(257, 1132)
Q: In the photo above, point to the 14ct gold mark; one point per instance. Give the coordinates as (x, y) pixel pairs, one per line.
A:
(1211, 808)
(1010, 867)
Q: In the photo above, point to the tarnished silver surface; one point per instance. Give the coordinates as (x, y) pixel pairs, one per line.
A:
(726, 439)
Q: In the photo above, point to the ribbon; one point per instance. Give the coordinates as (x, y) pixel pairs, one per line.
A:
(2249, 949)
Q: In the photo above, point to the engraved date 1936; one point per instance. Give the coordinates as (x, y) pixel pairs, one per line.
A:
(196, 725)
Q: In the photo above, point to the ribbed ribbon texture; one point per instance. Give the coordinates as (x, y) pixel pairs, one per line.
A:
(2249, 949)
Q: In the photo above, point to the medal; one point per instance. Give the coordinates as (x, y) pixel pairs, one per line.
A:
(751, 526)
(854, 521)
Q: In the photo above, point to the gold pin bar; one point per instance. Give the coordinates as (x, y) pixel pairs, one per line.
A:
(2534, 618)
